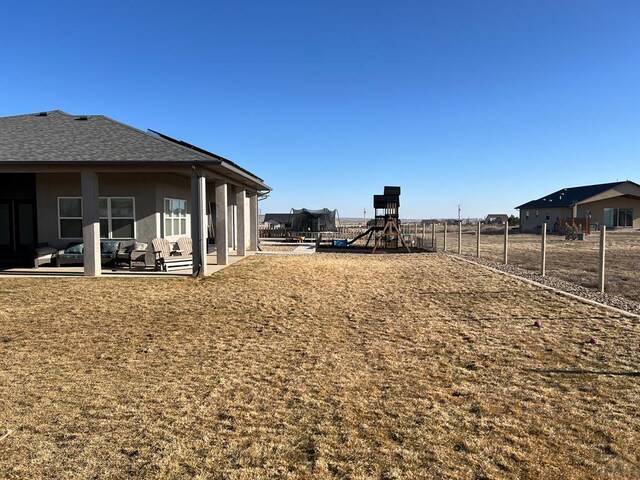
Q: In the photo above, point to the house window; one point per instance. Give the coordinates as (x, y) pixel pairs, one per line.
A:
(618, 217)
(117, 217)
(536, 214)
(175, 217)
(69, 217)
(526, 214)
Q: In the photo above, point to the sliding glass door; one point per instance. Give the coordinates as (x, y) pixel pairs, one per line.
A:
(618, 217)
(6, 227)
(17, 226)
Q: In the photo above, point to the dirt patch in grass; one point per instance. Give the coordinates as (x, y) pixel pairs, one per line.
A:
(317, 366)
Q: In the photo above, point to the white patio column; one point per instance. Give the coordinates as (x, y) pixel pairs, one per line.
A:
(222, 234)
(241, 241)
(199, 224)
(253, 221)
(90, 223)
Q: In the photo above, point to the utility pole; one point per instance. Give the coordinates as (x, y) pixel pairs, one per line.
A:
(458, 213)
(364, 217)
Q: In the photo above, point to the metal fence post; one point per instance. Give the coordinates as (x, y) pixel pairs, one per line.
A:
(478, 242)
(444, 246)
(603, 235)
(543, 252)
(506, 242)
(433, 236)
(459, 238)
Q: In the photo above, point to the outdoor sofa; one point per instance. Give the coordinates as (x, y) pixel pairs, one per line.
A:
(74, 253)
(44, 255)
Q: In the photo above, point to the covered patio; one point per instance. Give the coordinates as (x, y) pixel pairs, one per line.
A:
(85, 179)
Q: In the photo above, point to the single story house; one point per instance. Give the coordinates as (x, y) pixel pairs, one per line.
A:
(83, 178)
(277, 220)
(616, 205)
(304, 220)
(323, 220)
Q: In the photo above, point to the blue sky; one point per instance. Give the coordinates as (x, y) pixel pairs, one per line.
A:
(484, 104)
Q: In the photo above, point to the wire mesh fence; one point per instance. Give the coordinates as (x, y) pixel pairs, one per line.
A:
(574, 260)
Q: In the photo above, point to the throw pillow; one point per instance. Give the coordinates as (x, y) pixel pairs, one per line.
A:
(109, 247)
(77, 249)
(140, 246)
(136, 246)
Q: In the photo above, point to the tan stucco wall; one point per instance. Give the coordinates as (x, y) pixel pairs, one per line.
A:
(626, 188)
(538, 216)
(597, 208)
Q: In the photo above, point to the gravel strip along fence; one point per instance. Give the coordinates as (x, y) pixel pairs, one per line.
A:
(604, 298)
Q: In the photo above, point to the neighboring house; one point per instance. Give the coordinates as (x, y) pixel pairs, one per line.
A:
(616, 205)
(277, 220)
(496, 218)
(66, 178)
(323, 220)
(304, 220)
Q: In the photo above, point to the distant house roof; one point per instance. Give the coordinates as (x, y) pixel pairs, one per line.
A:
(316, 220)
(567, 197)
(497, 216)
(277, 217)
(57, 137)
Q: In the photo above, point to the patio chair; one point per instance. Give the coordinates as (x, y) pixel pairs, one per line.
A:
(136, 252)
(185, 244)
(166, 259)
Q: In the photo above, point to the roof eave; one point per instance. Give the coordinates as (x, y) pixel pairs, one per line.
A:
(258, 182)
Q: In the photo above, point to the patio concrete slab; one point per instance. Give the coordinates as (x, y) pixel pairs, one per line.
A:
(78, 271)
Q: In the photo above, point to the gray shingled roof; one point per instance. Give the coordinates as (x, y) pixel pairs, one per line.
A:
(278, 217)
(568, 197)
(58, 137)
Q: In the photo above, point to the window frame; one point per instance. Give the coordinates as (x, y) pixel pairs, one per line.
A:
(172, 217)
(109, 218)
(60, 218)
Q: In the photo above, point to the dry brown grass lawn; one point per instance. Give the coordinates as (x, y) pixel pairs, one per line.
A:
(325, 366)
